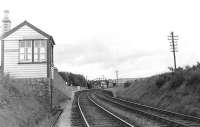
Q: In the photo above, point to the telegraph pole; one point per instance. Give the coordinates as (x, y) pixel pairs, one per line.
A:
(117, 74)
(51, 87)
(173, 44)
(86, 81)
(103, 77)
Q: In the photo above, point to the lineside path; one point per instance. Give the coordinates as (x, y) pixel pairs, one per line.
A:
(65, 118)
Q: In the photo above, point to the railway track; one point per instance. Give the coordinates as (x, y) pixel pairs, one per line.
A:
(88, 113)
(76, 118)
(168, 118)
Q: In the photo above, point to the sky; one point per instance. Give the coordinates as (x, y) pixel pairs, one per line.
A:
(98, 37)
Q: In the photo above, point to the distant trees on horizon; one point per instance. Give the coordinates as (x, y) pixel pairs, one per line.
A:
(73, 79)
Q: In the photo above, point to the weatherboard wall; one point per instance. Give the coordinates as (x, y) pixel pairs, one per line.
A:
(11, 55)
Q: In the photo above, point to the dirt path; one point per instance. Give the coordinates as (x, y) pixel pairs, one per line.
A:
(65, 118)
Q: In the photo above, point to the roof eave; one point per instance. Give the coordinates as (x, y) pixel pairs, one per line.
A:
(30, 25)
(52, 40)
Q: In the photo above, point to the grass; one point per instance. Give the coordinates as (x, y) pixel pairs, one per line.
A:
(179, 91)
(21, 108)
(25, 102)
(188, 75)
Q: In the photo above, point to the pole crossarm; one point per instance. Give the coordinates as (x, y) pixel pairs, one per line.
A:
(173, 46)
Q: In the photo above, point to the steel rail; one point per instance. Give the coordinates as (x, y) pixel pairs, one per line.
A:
(120, 119)
(197, 119)
(167, 112)
(146, 113)
(82, 114)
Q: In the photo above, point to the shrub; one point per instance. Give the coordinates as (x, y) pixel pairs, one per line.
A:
(193, 78)
(177, 79)
(127, 84)
(160, 81)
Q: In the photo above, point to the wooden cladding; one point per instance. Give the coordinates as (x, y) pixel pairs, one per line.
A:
(32, 51)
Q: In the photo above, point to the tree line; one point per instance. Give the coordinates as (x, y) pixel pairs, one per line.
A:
(73, 79)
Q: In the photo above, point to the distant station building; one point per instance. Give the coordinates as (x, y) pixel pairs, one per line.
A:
(26, 51)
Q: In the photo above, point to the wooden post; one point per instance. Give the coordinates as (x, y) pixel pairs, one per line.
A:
(173, 45)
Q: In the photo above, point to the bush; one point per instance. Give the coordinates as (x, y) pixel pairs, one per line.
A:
(127, 84)
(73, 79)
(177, 79)
(160, 81)
(193, 78)
(189, 75)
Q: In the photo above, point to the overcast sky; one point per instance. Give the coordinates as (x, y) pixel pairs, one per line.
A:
(97, 37)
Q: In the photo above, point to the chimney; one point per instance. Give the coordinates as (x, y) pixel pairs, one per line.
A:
(6, 22)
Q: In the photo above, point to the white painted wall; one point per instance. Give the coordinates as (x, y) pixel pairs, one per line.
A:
(11, 47)
(0, 52)
(0, 43)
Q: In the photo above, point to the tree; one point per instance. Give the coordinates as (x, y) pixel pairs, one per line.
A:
(73, 79)
(171, 69)
(107, 83)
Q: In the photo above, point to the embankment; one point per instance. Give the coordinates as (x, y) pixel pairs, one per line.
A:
(25, 102)
(178, 92)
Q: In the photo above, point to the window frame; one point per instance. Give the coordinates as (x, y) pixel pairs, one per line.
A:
(32, 52)
(39, 51)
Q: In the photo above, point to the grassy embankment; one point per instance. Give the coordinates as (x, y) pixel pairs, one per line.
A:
(178, 92)
(25, 103)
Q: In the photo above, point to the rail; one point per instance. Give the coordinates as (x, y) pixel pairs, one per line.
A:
(82, 114)
(146, 113)
(125, 122)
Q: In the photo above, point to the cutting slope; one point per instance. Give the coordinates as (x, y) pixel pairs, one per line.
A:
(178, 92)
